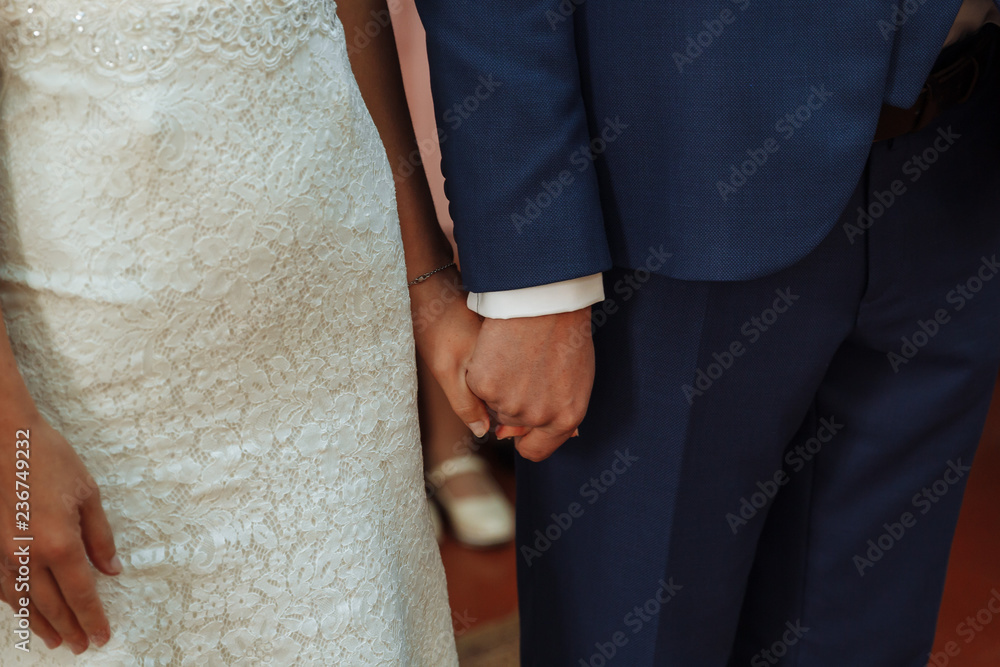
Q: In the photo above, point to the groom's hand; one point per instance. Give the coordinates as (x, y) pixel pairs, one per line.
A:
(536, 372)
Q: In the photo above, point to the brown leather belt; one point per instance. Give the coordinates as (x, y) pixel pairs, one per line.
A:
(954, 78)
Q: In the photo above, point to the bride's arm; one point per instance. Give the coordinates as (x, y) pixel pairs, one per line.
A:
(445, 328)
(376, 68)
(40, 476)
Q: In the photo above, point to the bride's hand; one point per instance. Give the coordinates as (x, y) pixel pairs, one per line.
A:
(446, 332)
(68, 526)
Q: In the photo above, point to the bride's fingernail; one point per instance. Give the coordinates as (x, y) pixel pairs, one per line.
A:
(115, 565)
(52, 643)
(479, 428)
(99, 639)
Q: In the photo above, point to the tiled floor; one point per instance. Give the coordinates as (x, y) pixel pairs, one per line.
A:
(482, 583)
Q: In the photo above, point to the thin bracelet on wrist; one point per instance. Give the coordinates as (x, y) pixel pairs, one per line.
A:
(422, 278)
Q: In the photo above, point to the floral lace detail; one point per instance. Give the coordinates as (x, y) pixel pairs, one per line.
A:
(203, 282)
(135, 39)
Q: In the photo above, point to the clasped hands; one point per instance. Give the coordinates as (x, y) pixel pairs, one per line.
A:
(534, 373)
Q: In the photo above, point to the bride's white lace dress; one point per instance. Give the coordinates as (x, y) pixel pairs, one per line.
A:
(201, 268)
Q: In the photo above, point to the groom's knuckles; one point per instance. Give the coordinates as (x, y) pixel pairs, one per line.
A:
(536, 453)
(555, 418)
(539, 444)
(484, 385)
(535, 413)
(533, 452)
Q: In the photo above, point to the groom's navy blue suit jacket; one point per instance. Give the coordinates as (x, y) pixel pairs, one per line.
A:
(729, 134)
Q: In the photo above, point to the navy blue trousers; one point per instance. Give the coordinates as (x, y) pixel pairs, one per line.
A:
(770, 471)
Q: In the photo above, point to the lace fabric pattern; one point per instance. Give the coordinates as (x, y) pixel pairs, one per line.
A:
(202, 276)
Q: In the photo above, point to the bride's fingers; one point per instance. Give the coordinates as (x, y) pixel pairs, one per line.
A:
(470, 408)
(43, 628)
(98, 538)
(53, 608)
(13, 597)
(79, 589)
(36, 622)
(517, 432)
(508, 431)
(507, 426)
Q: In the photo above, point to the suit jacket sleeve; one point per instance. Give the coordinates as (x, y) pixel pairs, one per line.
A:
(514, 141)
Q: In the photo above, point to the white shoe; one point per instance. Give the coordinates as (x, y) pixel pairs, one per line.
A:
(482, 520)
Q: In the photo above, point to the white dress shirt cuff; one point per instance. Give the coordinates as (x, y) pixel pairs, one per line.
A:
(561, 297)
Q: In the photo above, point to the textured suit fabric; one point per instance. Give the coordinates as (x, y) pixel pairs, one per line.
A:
(693, 100)
(664, 535)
